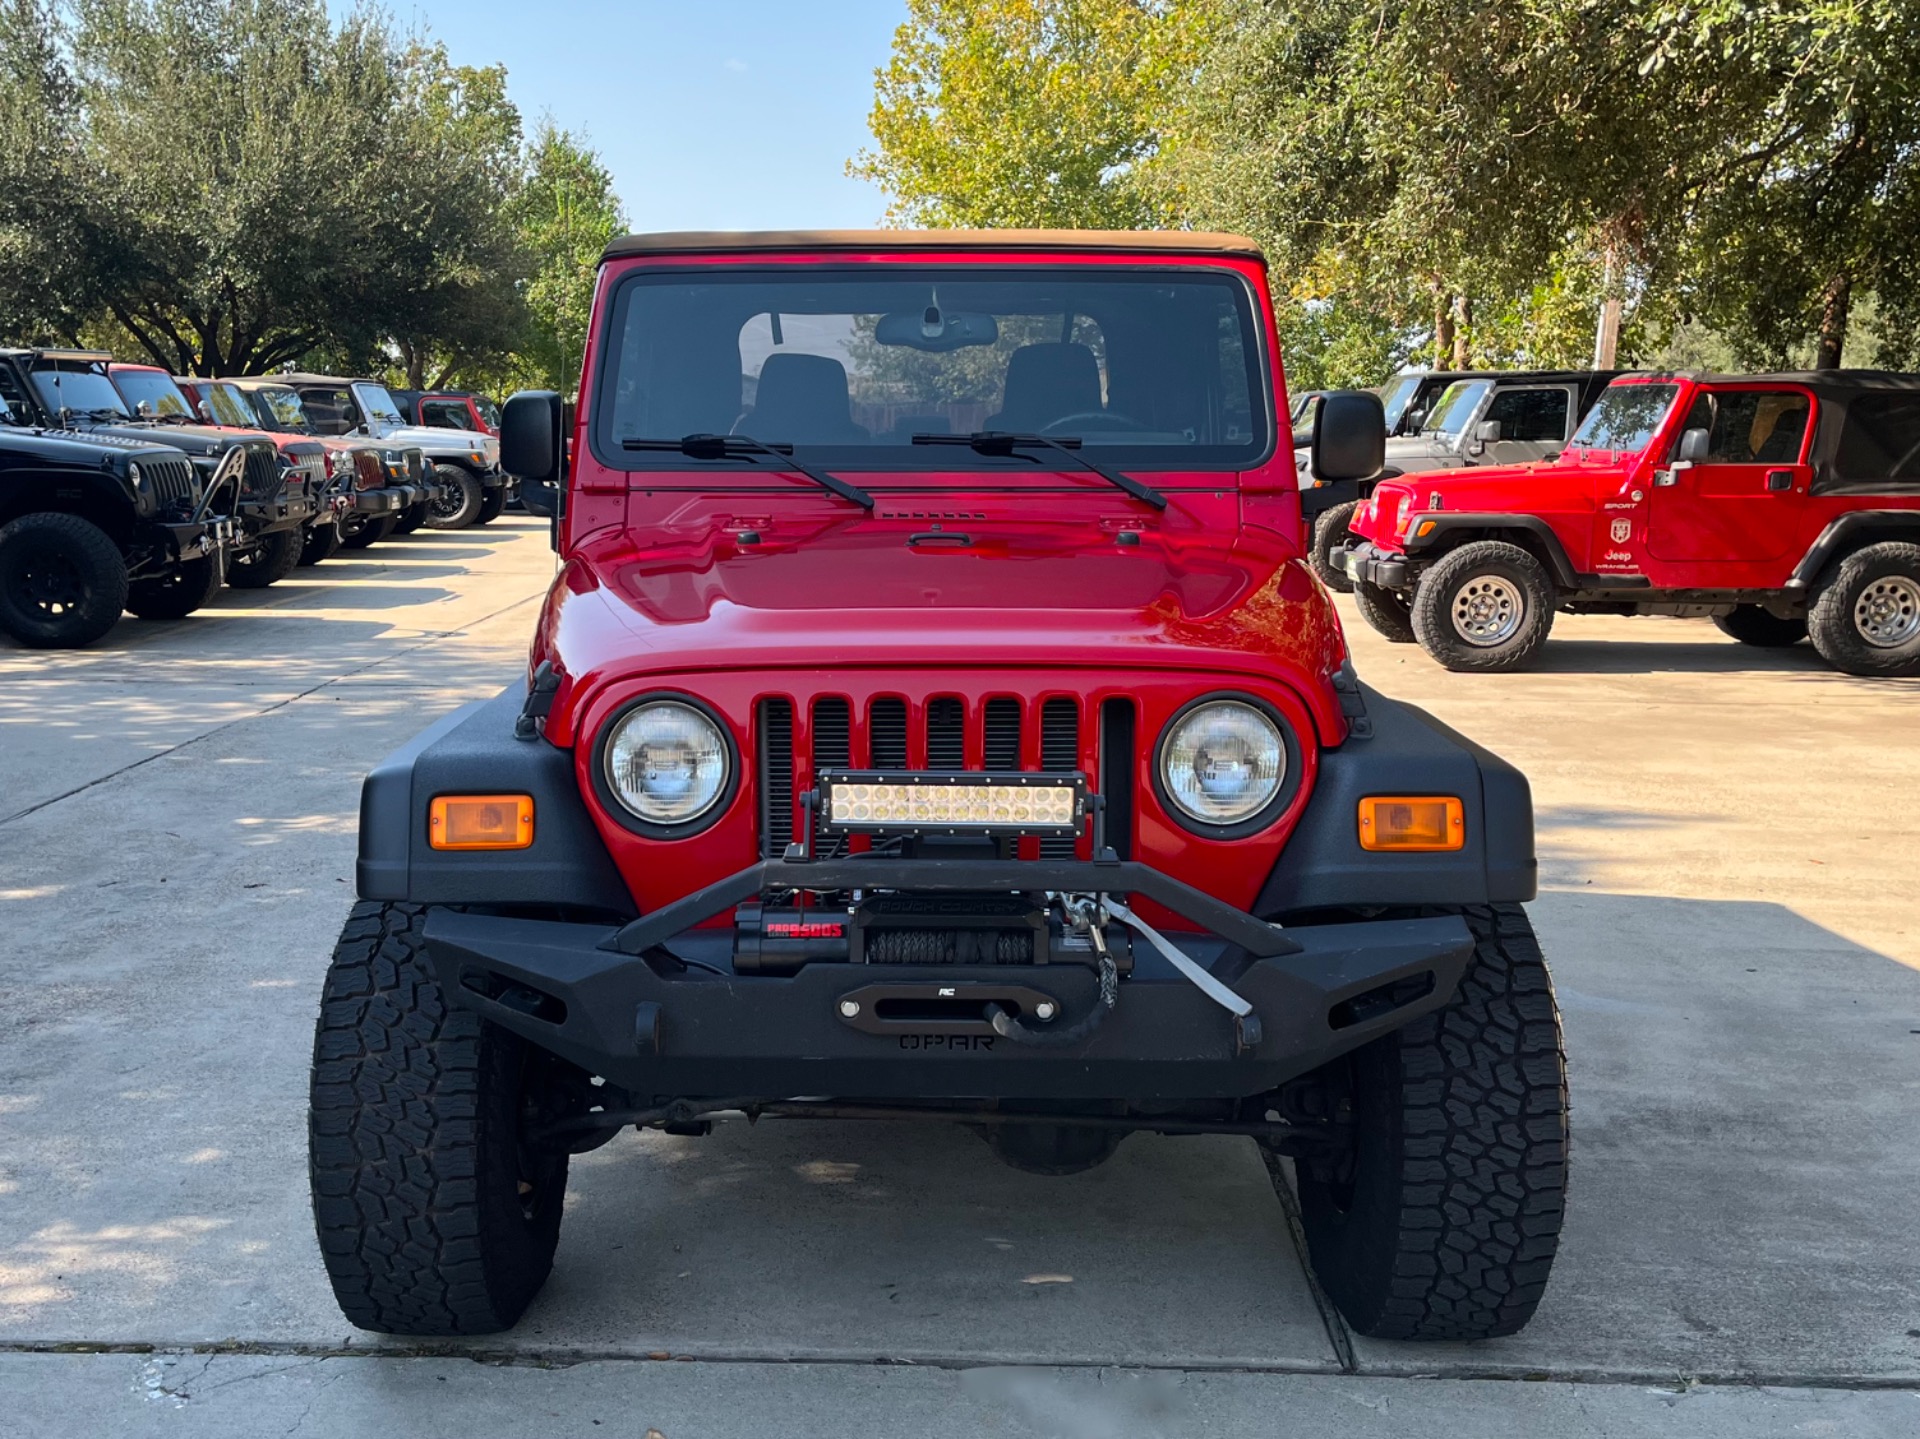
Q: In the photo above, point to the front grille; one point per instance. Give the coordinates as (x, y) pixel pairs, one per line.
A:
(310, 471)
(262, 474)
(953, 735)
(369, 473)
(416, 467)
(170, 480)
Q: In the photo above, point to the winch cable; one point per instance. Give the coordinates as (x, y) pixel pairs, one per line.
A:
(1207, 984)
(1008, 1027)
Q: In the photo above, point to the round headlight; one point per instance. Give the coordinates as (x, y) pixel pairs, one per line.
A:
(1222, 762)
(667, 762)
(133, 475)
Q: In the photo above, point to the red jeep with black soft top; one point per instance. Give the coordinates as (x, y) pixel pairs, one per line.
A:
(933, 718)
(1781, 505)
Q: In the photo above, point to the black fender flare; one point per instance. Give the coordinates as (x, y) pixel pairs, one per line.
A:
(1403, 750)
(100, 497)
(474, 751)
(1533, 526)
(1848, 533)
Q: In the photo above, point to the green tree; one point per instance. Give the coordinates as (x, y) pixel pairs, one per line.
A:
(43, 219)
(564, 215)
(1032, 112)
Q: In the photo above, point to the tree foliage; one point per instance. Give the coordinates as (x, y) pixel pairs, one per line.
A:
(231, 187)
(565, 213)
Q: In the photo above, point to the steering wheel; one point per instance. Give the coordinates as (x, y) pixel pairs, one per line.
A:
(1104, 420)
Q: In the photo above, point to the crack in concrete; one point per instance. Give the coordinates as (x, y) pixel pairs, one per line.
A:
(1338, 1335)
(270, 709)
(564, 1358)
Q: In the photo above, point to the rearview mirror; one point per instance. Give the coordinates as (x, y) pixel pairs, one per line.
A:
(1349, 437)
(530, 438)
(1695, 446)
(936, 329)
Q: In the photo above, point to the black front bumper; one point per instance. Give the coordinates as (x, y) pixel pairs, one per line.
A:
(1363, 562)
(387, 500)
(660, 1030)
(270, 516)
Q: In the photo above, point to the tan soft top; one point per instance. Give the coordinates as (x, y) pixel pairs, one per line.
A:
(697, 242)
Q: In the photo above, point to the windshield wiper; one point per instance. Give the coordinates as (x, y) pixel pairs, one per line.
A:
(1004, 442)
(745, 447)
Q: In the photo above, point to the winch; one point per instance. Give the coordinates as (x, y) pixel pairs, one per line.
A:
(901, 928)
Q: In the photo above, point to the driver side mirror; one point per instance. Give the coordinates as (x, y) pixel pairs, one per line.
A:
(1349, 437)
(1695, 446)
(205, 411)
(1487, 432)
(530, 441)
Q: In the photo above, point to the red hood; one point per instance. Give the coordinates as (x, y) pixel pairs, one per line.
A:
(1568, 482)
(1038, 582)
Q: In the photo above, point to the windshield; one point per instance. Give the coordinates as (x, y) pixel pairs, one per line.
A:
(489, 411)
(849, 365)
(154, 390)
(1624, 418)
(1394, 396)
(375, 400)
(82, 391)
(279, 408)
(1456, 408)
(227, 406)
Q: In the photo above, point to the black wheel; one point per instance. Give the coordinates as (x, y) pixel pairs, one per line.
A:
(1762, 628)
(266, 561)
(359, 531)
(492, 505)
(436, 1215)
(1385, 611)
(1330, 535)
(1443, 1221)
(411, 519)
(192, 584)
(1865, 618)
(1485, 606)
(63, 582)
(322, 542)
(455, 501)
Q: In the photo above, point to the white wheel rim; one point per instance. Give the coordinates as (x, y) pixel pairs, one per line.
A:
(1488, 610)
(1887, 613)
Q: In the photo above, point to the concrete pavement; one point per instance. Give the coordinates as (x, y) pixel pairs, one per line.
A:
(1723, 831)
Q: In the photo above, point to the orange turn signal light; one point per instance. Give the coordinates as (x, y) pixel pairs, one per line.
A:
(480, 821)
(1412, 823)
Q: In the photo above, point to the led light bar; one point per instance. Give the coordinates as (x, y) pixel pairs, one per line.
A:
(911, 802)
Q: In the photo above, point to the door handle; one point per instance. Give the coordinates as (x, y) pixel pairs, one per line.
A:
(1779, 479)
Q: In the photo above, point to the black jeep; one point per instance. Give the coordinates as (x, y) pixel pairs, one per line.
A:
(91, 525)
(71, 389)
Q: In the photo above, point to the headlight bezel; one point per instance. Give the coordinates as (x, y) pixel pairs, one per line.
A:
(1276, 804)
(615, 804)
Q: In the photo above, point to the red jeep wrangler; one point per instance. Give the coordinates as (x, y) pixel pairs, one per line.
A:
(933, 718)
(1781, 505)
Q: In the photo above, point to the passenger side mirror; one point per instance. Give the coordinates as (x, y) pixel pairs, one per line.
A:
(530, 448)
(1695, 446)
(205, 411)
(1349, 437)
(1487, 432)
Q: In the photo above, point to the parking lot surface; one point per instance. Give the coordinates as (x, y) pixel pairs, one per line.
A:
(1726, 838)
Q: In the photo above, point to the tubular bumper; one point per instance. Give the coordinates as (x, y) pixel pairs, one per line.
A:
(1365, 562)
(655, 1030)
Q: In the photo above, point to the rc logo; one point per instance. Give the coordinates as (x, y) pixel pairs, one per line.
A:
(1621, 531)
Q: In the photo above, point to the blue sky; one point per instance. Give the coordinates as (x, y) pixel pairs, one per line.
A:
(711, 114)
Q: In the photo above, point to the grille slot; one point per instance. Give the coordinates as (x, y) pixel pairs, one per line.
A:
(171, 480)
(1117, 773)
(887, 733)
(832, 734)
(776, 777)
(1059, 754)
(263, 474)
(1002, 733)
(946, 734)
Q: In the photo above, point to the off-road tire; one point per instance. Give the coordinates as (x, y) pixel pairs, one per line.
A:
(369, 531)
(321, 543)
(491, 506)
(413, 517)
(89, 572)
(266, 563)
(1466, 575)
(455, 501)
(1445, 1221)
(414, 1145)
(1385, 611)
(192, 584)
(1330, 536)
(1760, 627)
(1833, 620)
